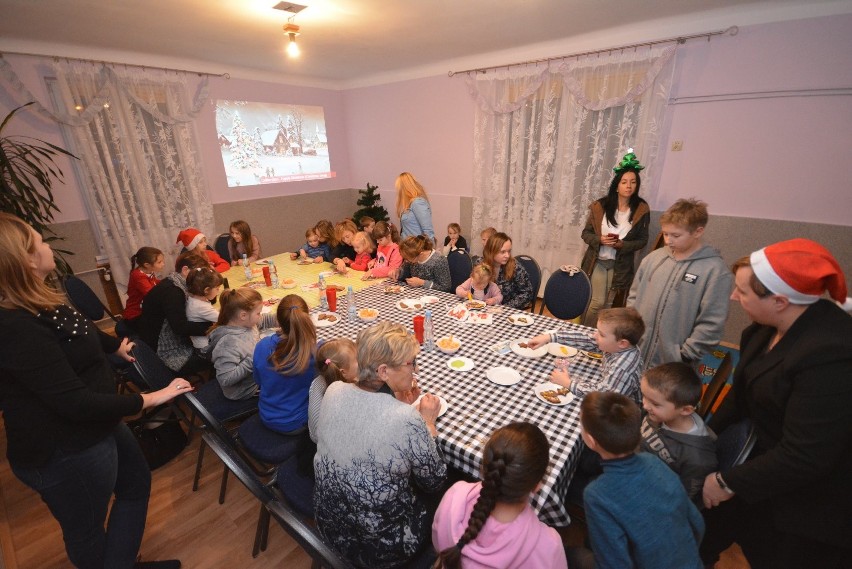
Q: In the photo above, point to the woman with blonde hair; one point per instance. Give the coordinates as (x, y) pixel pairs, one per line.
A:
(510, 276)
(412, 207)
(63, 419)
(372, 450)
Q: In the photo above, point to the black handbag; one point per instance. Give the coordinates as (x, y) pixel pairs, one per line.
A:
(160, 439)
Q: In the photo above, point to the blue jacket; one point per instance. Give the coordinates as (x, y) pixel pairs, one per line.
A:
(417, 219)
(639, 515)
(283, 402)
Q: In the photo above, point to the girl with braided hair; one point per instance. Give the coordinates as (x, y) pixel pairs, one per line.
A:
(491, 523)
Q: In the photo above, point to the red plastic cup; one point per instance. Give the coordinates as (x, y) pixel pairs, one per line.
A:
(418, 328)
(266, 276)
(331, 296)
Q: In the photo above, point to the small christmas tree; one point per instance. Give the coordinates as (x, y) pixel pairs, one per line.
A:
(369, 206)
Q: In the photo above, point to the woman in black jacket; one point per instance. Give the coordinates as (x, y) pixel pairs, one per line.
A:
(64, 429)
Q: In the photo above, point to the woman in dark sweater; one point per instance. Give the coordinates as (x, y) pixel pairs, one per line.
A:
(65, 436)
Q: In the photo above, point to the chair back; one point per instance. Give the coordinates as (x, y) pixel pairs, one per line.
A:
(84, 299)
(714, 388)
(567, 296)
(659, 242)
(734, 444)
(533, 269)
(307, 537)
(460, 267)
(149, 369)
(221, 246)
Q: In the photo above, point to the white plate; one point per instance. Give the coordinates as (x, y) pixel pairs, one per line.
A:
(458, 313)
(461, 364)
(428, 299)
(502, 375)
(547, 386)
(441, 411)
(527, 352)
(521, 319)
(410, 304)
(325, 322)
(367, 318)
(480, 318)
(561, 350)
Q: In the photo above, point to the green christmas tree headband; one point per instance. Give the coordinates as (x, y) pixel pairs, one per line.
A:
(629, 161)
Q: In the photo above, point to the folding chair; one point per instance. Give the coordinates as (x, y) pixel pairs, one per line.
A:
(533, 269)
(221, 246)
(460, 267)
(714, 388)
(567, 296)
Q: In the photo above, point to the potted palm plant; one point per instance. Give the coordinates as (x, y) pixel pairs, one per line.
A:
(28, 170)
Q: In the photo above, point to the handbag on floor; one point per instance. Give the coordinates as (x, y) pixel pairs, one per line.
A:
(161, 438)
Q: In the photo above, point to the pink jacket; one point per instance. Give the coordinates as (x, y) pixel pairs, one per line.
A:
(525, 542)
(387, 258)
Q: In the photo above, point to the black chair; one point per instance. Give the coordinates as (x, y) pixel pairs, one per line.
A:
(567, 296)
(460, 267)
(714, 388)
(534, 271)
(734, 444)
(299, 529)
(150, 372)
(221, 246)
(85, 300)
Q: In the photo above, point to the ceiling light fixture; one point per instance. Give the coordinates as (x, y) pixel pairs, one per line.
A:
(292, 30)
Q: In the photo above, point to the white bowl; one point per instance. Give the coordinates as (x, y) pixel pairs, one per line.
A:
(291, 284)
(368, 314)
(451, 349)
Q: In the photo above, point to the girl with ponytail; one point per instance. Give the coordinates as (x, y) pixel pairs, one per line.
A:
(284, 368)
(491, 523)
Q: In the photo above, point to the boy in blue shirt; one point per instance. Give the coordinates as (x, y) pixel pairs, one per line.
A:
(637, 511)
(313, 250)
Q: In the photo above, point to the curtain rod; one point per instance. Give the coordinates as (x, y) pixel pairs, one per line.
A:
(225, 75)
(680, 39)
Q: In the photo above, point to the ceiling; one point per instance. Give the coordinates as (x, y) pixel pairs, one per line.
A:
(356, 42)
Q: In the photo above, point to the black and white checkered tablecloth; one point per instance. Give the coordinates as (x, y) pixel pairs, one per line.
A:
(476, 406)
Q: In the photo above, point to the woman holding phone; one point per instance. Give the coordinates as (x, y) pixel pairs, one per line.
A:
(617, 227)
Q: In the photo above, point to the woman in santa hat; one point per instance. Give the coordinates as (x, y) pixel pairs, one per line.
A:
(193, 240)
(790, 503)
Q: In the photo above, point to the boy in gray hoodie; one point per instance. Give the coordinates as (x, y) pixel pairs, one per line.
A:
(681, 290)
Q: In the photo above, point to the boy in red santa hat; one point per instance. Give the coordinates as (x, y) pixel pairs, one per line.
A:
(193, 240)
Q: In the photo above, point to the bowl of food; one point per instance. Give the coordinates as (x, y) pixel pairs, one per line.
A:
(448, 344)
(368, 314)
(288, 283)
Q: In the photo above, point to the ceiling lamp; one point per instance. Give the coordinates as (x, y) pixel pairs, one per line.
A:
(292, 30)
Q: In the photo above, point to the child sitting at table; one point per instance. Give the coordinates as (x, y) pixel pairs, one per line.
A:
(145, 264)
(637, 512)
(368, 223)
(363, 245)
(202, 285)
(284, 368)
(388, 257)
(327, 236)
(232, 342)
(423, 266)
(337, 360)
(618, 332)
(484, 235)
(195, 241)
(480, 286)
(454, 239)
(491, 523)
(672, 429)
(242, 242)
(313, 249)
(343, 254)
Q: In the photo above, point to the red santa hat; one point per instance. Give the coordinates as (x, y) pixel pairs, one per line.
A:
(190, 237)
(802, 270)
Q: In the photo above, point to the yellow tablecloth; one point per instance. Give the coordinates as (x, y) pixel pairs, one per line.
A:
(304, 275)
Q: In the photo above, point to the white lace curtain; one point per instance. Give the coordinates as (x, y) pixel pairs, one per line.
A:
(546, 139)
(139, 167)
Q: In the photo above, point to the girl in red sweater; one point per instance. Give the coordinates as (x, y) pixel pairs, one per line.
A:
(145, 264)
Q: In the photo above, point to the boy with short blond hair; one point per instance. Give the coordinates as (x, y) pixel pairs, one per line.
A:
(618, 331)
(681, 290)
(672, 430)
(637, 512)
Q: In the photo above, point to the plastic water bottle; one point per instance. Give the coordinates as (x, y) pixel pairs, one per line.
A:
(350, 304)
(273, 273)
(247, 267)
(428, 333)
(322, 298)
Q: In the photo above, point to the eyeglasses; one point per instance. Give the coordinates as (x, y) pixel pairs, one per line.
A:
(412, 364)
